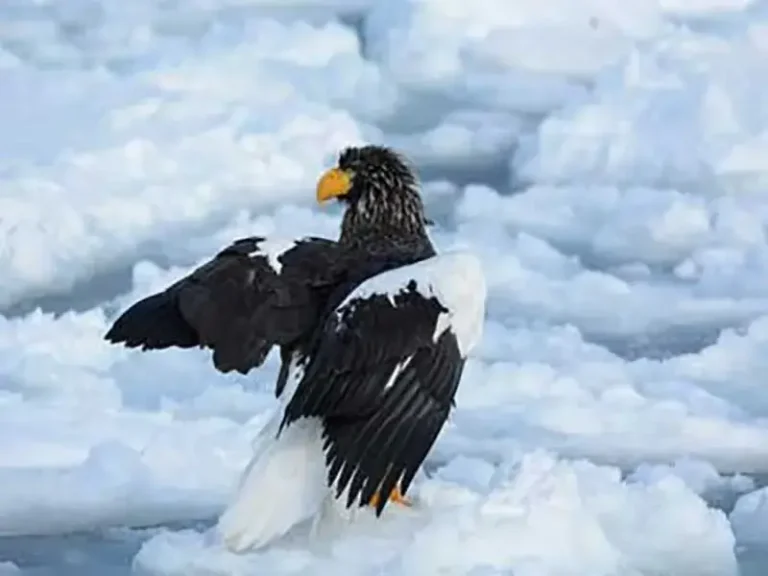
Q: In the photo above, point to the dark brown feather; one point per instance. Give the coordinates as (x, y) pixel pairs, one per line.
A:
(236, 304)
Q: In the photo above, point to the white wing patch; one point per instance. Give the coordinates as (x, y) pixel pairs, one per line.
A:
(295, 374)
(396, 372)
(272, 248)
(454, 278)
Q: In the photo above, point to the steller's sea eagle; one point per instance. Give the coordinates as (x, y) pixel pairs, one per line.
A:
(373, 331)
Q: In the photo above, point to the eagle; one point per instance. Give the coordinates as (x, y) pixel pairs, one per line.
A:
(373, 330)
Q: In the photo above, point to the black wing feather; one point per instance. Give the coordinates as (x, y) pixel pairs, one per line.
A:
(235, 304)
(153, 323)
(378, 428)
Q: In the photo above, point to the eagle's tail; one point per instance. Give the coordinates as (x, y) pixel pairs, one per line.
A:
(282, 486)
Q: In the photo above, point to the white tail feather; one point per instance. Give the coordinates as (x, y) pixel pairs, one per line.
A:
(282, 486)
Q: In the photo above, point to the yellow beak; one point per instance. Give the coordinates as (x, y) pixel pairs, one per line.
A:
(334, 183)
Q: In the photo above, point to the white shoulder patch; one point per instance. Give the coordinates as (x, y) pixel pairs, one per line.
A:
(272, 248)
(454, 278)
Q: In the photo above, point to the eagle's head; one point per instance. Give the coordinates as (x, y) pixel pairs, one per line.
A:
(379, 188)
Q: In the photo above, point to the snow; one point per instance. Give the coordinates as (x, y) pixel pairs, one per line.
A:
(455, 278)
(750, 517)
(9, 569)
(507, 521)
(605, 163)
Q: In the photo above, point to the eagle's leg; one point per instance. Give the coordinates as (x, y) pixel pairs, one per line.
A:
(395, 496)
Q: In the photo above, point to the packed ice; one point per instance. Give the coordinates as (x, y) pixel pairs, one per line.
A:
(606, 163)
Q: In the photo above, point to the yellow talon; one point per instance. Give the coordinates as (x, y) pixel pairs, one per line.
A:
(394, 496)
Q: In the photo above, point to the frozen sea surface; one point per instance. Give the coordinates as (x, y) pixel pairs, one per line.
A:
(606, 162)
(110, 552)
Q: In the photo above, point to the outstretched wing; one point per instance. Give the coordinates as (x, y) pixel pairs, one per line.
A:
(254, 294)
(386, 369)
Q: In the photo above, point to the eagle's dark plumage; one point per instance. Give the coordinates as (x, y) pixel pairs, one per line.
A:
(373, 328)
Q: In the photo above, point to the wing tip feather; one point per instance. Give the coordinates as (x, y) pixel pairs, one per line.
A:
(150, 324)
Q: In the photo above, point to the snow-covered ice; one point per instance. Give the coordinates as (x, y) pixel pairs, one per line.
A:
(606, 162)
